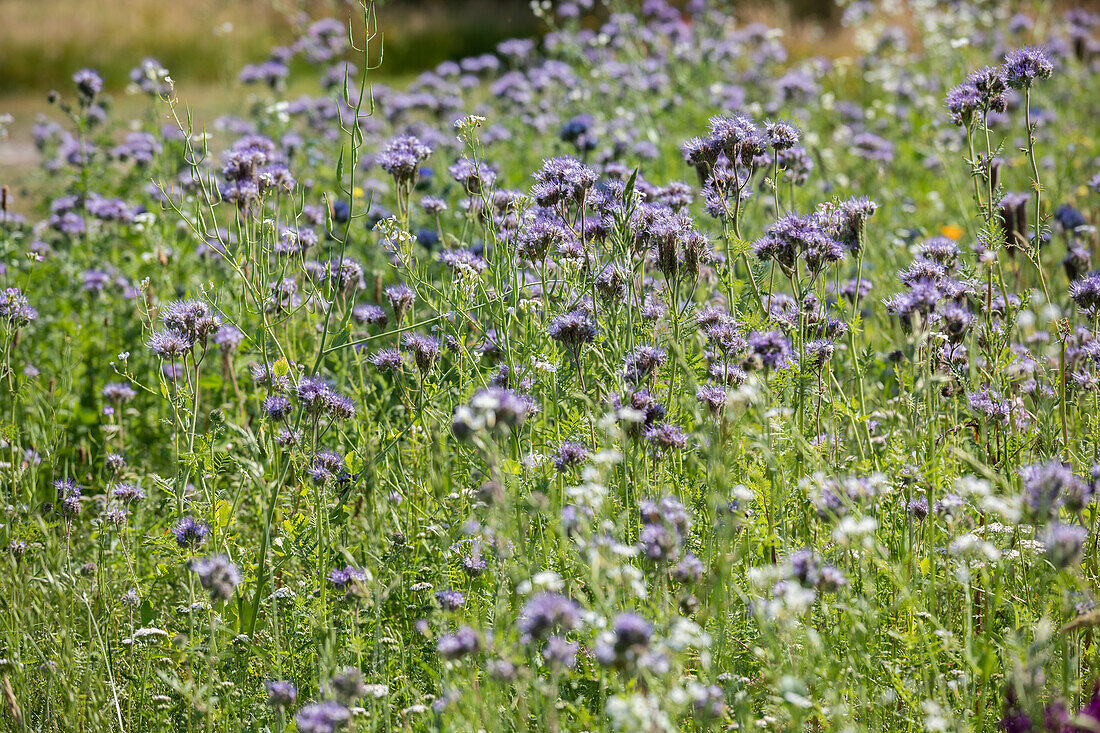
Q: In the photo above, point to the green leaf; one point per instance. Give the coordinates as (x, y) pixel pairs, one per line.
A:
(222, 510)
(352, 463)
(628, 192)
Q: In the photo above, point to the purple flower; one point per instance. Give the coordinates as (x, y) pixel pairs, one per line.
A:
(271, 72)
(281, 693)
(169, 344)
(370, 315)
(474, 178)
(560, 653)
(808, 569)
(962, 102)
(463, 260)
(781, 135)
(1047, 486)
(537, 239)
(89, 83)
(572, 330)
(189, 532)
(713, 397)
(128, 493)
(115, 515)
(401, 298)
(641, 365)
(639, 410)
(402, 157)
(425, 350)
(690, 569)
(15, 308)
(569, 454)
(665, 525)
(770, 349)
(1064, 544)
(194, 320)
(344, 578)
(474, 564)
(736, 137)
(327, 465)
(464, 642)
(450, 600)
(546, 612)
(627, 641)
(1015, 720)
(277, 407)
(322, 717)
(562, 180)
(312, 393)
(118, 393)
(665, 437)
(347, 685)
(217, 575)
(707, 701)
(491, 409)
(1086, 292)
(68, 496)
(433, 206)
(1024, 65)
(229, 338)
(387, 360)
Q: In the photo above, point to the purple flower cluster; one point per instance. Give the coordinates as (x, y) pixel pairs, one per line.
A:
(665, 527)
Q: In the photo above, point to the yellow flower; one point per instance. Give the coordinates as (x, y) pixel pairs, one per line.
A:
(951, 231)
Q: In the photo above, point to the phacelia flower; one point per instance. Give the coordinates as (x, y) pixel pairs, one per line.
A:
(218, 576)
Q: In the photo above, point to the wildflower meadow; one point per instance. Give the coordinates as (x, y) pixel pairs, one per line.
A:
(663, 371)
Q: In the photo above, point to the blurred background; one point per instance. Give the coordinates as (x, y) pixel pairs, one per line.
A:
(42, 42)
(204, 44)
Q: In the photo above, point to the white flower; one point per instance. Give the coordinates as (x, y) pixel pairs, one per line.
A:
(376, 691)
(971, 547)
(934, 717)
(795, 598)
(744, 395)
(629, 577)
(534, 459)
(589, 494)
(971, 486)
(743, 494)
(850, 529)
(1007, 509)
(147, 634)
(548, 580)
(686, 633)
(638, 714)
(607, 458)
(764, 576)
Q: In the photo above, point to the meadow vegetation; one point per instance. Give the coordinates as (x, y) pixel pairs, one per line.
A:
(645, 375)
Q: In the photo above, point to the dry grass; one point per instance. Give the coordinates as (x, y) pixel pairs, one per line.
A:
(209, 40)
(44, 42)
